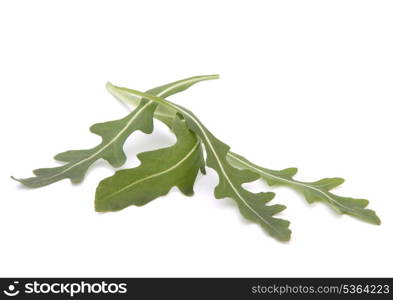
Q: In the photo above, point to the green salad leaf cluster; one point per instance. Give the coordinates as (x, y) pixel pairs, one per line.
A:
(178, 165)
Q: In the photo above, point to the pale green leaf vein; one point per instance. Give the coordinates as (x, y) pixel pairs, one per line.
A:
(191, 152)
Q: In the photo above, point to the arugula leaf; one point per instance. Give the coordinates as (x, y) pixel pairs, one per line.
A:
(312, 191)
(162, 113)
(113, 133)
(252, 206)
(178, 165)
(159, 171)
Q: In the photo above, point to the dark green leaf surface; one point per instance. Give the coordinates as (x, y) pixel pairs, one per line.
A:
(159, 171)
(252, 206)
(113, 133)
(162, 113)
(178, 165)
(312, 191)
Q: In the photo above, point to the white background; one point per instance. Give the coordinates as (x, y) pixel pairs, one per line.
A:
(304, 84)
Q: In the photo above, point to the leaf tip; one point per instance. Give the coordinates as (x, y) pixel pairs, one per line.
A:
(109, 86)
(290, 171)
(335, 182)
(203, 170)
(283, 235)
(373, 218)
(270, 195)
(21, 180)
(186, 191)
(213, 76)
(98, 207)
(25, 182)
(76, 180)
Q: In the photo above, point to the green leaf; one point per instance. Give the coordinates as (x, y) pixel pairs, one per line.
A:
(312, 191)
(159, 171)
(252, 206)
(113, 133)
(162, 113)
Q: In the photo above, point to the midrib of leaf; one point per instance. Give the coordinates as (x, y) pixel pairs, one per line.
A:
(174, 87)
(201, 128)
(192, 151)
(209, 144)
(158, 172)
(291, 182)
(129, 123)
(185, 82)
(163, 93)
(170, 89)
(115, 138)
(86, 157)
(341, 205)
